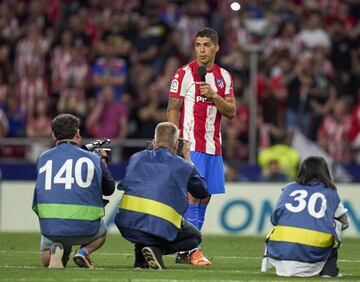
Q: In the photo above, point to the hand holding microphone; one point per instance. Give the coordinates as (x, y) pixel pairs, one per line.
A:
(205, 88)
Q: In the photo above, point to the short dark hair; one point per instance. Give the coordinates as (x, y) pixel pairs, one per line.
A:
(315, 168)
(65, 126)
(210, 33)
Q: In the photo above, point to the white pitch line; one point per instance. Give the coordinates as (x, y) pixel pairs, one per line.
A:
(117, 269)
(131, 254)
(127, 280)
(209, 270)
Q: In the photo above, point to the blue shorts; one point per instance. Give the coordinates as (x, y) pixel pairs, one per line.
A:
(212, 168)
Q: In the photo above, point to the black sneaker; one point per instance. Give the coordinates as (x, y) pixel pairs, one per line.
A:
(140, 261)
(153, 257)
(183, 257)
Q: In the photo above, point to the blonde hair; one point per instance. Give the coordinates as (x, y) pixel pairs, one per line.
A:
(166, 133)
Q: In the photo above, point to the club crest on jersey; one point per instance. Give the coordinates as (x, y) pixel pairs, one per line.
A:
(174, 86)
(220, 82)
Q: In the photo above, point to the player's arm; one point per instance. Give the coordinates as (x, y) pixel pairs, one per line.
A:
(173, 110)
(226, 106)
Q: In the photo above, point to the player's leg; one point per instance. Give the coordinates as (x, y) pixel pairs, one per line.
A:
(215, 180)
(192, 212)
(203, 203)
(214, 175)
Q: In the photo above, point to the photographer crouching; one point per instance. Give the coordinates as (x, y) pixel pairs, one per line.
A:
(155, 187)
(68, 196)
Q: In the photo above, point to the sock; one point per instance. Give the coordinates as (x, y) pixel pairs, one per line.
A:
(201, 213)
(192, 214)
(83, 252)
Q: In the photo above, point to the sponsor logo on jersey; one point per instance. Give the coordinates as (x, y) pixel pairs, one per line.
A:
(174, 86)
(202, 99)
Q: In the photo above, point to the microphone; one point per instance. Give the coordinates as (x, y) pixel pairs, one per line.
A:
(201, 71)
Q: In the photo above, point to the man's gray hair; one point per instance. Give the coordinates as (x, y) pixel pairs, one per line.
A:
(166, 133)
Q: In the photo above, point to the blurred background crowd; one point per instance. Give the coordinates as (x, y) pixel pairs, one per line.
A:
(111, 62)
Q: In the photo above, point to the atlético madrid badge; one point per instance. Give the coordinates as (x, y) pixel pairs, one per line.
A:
(220, 82)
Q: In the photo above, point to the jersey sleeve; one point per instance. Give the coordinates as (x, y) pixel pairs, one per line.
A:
(229, 89)
(177, 85)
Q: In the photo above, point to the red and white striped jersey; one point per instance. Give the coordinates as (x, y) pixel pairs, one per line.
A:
(199, 118)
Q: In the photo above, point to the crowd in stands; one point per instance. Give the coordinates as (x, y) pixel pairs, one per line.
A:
(111, 63)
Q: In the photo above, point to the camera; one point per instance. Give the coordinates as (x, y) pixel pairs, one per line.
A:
(94, 146)
(150, 146)
(180, 146)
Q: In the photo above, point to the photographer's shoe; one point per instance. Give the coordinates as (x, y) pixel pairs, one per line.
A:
(153, 257)
(183, 257)
(57, 252)
(82, 259)
(194, 257)
(140, 261)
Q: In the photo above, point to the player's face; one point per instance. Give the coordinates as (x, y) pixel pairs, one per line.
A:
(205, 50)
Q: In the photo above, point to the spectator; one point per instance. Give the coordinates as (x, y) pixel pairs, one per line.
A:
(109, 117)
(39, 126)
(236, 131)
(334, 133)
(9, 24)
(287, 157)
(355, 130)
(16, 116)
(284, 40)
(322, 93)
(109, 71)
(313, 35)
(4, 124)
(273, 173)
(149, 113)
(144, 55)
(32, 49)
(6, 68)
(32, 87)
(298, 83)
(118, 30)
(61, 57)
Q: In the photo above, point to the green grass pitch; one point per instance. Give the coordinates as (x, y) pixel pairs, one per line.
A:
(234, 258)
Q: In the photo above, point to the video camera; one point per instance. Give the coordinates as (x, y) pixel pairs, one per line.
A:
(96, 145)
